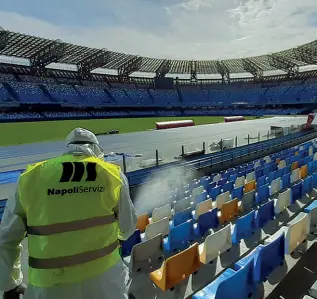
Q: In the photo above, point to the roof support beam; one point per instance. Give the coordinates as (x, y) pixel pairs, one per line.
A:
(252, 68)
(284, 64)
(52, 52)
(163, 69)
(223, 71)
(193, 71)
(129, 67)
(93, 61)
(4, 38)
(306, 54)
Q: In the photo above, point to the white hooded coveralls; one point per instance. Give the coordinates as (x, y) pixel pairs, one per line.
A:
(112, 284)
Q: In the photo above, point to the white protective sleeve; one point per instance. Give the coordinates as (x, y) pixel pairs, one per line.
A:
(12, 232)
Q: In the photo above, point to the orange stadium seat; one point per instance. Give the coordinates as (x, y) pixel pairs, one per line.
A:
(294, 166)
(177, 268)
(143, 221)
(303, 172)
(249, 186)
(229, 211)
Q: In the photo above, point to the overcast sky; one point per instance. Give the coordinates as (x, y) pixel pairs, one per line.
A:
(184, 29)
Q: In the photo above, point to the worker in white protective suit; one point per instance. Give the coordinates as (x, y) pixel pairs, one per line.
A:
(74, 209)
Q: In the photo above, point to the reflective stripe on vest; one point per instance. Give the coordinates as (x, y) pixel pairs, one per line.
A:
(67, 261)
(58, 228)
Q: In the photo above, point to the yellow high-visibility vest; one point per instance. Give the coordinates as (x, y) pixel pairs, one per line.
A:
(72, 230)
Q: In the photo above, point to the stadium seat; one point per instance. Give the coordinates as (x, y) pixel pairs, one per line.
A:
(162, 212)
(307, 186)
(250, 186)
(240, 181)
(248, 200)
(230, 284)
(281, 164)
(198, 190)
(294, 166)
(215, 244)
(295, 175)
(296, 191)
(142, 222)
(260, 181)
(179, 237)
(259, 172)
(295, 233)
(228, 186)
(229, 211)
(312, 211)
(270, 177)
(310, 167)
(216, 178)
(264, 214)
(314, 181)
(262, 194)
(250, 177)
(182, 216)
(210, 186)
(237, 193)
(214, 192)
(279, 173)
(145, 252)
(266, 258)
(286, 181)
(202, 208)
(158, 227)
(200, 198)
(205, 222)
(181, 204)
(128, 244)
(177, 268)
(283, 201)
(222, 198)
(244, 227)
(303, 172)
(276, 186)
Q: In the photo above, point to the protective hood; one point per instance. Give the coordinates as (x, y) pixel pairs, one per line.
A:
(83, 142)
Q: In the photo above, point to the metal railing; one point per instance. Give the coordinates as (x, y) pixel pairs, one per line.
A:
(141, 176)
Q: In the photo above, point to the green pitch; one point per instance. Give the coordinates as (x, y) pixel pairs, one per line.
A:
(30, 132)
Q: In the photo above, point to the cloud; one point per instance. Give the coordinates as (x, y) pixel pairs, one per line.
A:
(179, 29)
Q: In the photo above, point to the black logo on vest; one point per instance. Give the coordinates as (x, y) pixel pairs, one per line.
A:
(74, 172)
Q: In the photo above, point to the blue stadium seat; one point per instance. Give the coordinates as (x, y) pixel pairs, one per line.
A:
(286, 181)
(287, 169)
(205, 181)
(244, 227)
(210, 186)
(127, 245)
(314, 181)
(214, 192)
(296, 191)
(264, 214)
(266, 258)
(310, 166)
(279, 173)
(262, 194)
(233, 177)
(179, 237)
(206, 221)
(228, 186)
(260, 181)
(307, 186)
(237, 193)
(270, 177)
(200, 197)
(312, 206)
(259, 172)
(230, 284)
(222, 181)
(182, 216)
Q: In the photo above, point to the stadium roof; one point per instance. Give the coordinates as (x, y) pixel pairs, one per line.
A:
(43, 51)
